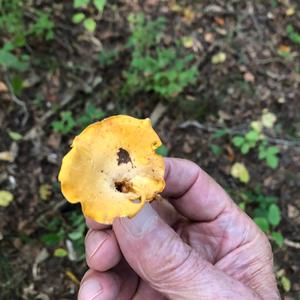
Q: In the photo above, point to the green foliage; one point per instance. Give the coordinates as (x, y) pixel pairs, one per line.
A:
(58, 230)
(67, 122)
(264, 211)
(42, 27)
(107, 58)
(216, 150)
(8, 60)
(154, 68)
(15, 136)
(292, 34)
(269, 154)
(251, 140)
(247, 142)
(18, 32)
(88, 22)
(162, 150)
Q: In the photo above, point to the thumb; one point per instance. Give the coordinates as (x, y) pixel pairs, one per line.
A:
(154, 250)
(161, 258)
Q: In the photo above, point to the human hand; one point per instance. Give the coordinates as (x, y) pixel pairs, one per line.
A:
(200, 247)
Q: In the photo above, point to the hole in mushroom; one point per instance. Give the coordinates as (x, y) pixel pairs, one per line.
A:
(123, 186)
(119, 186)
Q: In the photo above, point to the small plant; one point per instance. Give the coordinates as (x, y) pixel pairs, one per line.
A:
(17, 33)
(264, 211)
(56, 233)
(292, 34)
(8, 60)
(246, 142)
(153, 67)
(88, 22)
(67, 122)
(269, 154)
(255, 138)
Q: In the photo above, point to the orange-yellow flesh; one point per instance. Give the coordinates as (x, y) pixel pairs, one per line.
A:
(112, 168)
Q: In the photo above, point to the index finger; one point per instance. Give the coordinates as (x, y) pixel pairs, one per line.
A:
(193, 192)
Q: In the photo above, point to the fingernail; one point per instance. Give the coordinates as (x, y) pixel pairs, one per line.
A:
(141, 223)
(91, 288)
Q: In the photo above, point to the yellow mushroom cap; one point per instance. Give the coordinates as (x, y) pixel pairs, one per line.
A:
(112, 168)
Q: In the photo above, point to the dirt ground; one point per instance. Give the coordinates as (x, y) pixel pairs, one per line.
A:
(227, 95)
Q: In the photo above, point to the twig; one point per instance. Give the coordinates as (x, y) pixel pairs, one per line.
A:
(292, 244)
(235, 130)
(16, 100)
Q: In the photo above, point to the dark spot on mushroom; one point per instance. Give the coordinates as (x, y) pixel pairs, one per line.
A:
(123, 157)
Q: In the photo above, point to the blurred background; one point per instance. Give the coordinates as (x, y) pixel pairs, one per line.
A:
(220, 81)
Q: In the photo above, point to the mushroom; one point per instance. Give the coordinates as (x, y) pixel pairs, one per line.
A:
(113, 169)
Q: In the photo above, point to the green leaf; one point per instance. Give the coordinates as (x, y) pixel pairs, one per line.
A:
(286, 283)
(216, 150)
(274, 214)
(242, 206)
(100, 4)
(238, 141)
(50, 239)
(60, 252)
(17, 84)
(77, 18)
(6, 198)
(245, 148)
(80, 3)
(273, 150)
(162, 150)
(219, 133)
(278, 238)
(252, 136)
(272, 161)
(89, 24)
(262, 223)
(75, 235)
(15, 136)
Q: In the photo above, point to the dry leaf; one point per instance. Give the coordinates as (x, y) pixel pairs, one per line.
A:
(290, 11)
(6, 156)
(3, 87)
(239, 171)
(268, 119)
(218, 58)
(249, 77)
(219, 21)
(209, 37)
(284, 48)
(45, 191)
(6, 198)
(189, 15)
(187, 41)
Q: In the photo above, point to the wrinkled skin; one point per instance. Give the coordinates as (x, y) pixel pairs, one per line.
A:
(199, 245)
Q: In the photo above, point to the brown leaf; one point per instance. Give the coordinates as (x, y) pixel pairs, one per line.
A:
(230, 153)
(219, 21)
(3, 87)
(249, 77)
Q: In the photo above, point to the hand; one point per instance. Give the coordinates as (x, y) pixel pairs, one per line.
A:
(202, 247)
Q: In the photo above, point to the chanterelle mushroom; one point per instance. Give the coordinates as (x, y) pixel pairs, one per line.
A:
(112, 168)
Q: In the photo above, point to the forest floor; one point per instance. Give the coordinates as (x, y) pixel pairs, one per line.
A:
(248, 62)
